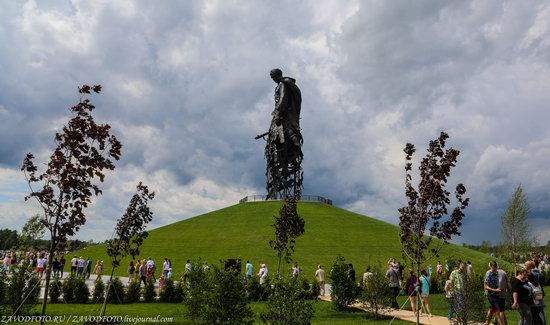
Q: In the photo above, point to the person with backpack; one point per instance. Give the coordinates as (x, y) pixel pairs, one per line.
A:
(535, 279)
(523, 296)
(393, 278)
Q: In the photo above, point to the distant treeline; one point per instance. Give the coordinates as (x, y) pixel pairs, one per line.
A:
(10, 240)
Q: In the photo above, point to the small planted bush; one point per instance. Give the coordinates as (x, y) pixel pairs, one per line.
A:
(133, 292)
(56, 288)
(69, 286)
(99, 291)
(287, 304)
(256, 291)
(115, 292)
(343, 288)
(81, 292)
(167, 292)
(149, 293)
(179, 292)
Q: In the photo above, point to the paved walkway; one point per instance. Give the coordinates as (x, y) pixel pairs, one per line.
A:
(405, 315)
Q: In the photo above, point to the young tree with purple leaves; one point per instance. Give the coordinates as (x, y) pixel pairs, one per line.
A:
(425, 222)
(84, 151)
(288, 226)
(130, 231)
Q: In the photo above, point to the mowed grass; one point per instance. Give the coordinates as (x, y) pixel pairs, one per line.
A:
(243, 231)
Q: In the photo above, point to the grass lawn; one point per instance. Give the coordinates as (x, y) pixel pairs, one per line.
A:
(244, 230)
(324, 313)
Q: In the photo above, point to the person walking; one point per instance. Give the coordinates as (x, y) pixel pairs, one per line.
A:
(98, 269)
(535, 279)
(295, 271)
(425, 291)
(458, 278)
(131, 270)
(263, 274)
(412, 291)
(61, 266)
(88, 268)
(143, 273)
(320, 276)
(40, 266)
(55, 267)
(188, 267)
(492, 291)
(449, 294)
(249, 271)
(439, 268)
(523, 297)
(74, 265)
(80, 267)
(351, 273)
(137, 268)
(503, 284)
(165, 267)
(393, 279)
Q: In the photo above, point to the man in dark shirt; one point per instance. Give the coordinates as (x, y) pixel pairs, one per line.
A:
(522, 297)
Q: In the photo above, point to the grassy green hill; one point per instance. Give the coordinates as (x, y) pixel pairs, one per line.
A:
(244, 230)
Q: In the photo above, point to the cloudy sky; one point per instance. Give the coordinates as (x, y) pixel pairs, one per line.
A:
(187, 87)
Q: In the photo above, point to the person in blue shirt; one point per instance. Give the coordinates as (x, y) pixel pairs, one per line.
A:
(249, 271)
(425, 290)
(88, 268)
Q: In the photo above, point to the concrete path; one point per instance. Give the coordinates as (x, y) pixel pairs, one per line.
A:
(405, 315)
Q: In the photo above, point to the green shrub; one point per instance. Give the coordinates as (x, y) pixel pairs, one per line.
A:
(69, 285)
(133, 292)
(469, 303)
(22, 284)
(179, 292)
(287, 304)
(167, 292)
(56, 288)
(196, 291)
(376, 293)
(81, 291)
(342, 287)
(149, 293)
(115, 292)
(256, 291)
(3, 292)
(315, 289)
(226, 296)
(99, 291)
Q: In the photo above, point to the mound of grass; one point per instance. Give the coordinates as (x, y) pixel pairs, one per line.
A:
(243, 231)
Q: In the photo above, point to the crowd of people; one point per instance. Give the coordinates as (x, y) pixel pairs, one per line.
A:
(525, 288)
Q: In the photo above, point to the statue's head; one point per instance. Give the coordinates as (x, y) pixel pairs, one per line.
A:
(276, 75)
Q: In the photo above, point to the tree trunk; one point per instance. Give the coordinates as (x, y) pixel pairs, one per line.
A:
(417, 297)
(104, 307)
(48, 275)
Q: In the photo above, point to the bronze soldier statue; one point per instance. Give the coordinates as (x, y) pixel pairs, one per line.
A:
(283, 150)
